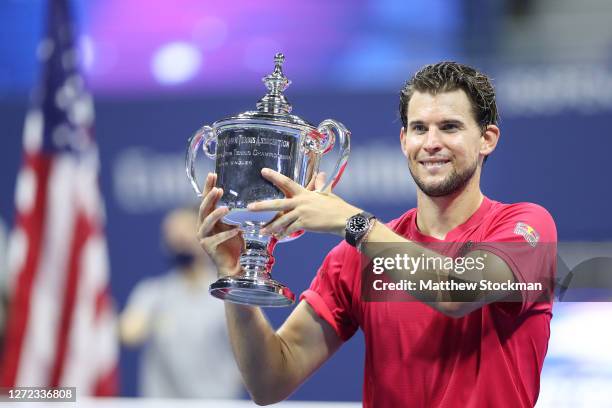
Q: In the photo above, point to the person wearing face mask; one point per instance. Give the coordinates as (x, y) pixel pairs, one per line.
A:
(176, 320)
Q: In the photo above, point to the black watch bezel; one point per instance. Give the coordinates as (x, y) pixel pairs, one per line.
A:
(352, 232)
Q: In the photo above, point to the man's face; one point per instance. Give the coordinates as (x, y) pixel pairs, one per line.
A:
(442, 142)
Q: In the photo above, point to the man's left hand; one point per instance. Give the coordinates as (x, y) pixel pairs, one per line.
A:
(303, 208)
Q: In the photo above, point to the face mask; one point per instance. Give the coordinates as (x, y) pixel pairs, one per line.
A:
(181, 259)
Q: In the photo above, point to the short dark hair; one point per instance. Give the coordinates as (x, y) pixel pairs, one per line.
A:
(448, 76)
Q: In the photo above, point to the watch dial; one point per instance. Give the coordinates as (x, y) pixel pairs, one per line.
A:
(358, 224)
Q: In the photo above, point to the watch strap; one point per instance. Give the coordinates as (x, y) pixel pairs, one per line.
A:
(364, 238)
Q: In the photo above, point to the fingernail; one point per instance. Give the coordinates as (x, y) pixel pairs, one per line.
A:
(265, 170)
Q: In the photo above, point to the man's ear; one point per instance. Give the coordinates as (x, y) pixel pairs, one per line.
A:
(489, 140)
(403, 141)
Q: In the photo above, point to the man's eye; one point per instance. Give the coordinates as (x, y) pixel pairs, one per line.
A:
(449, 127)
(419, 128)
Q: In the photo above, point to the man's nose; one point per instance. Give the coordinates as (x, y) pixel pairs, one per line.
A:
(432, 141)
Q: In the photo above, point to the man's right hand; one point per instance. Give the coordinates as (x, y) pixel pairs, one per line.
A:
(222, 242)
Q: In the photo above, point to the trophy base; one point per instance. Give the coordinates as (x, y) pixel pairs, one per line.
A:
(253, 292)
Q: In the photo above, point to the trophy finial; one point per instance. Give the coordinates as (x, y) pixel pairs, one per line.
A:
(279, 58)
(274, 101)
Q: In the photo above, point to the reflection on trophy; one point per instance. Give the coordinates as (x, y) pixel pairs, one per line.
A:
(241, 146)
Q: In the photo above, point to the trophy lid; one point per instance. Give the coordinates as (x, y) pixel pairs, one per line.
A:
(273, 106)
(276, 82)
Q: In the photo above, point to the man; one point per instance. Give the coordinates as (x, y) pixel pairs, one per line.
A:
(451, 348)
(177, 319)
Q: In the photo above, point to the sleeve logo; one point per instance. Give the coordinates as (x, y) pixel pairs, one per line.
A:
(527, 232)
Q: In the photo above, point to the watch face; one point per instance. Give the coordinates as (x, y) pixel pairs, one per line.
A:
(358, 224)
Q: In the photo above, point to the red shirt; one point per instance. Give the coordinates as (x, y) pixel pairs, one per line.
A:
(418, 357)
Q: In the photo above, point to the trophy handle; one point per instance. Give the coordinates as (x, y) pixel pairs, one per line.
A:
(207, 137)
(330, 128)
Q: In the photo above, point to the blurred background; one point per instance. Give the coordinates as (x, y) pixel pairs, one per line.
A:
(158, 71)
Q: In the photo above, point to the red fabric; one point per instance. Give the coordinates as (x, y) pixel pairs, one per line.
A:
(82, 232)
(19, 306)
(418, 357)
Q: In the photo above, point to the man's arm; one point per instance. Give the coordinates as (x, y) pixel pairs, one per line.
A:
(273, 364)
(135, 320)
(495, 270)
(326, 212)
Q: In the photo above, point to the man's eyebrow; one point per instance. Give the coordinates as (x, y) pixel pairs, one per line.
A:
(442, 122)
(451, 122)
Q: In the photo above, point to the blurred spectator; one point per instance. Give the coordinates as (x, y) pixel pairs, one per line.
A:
(187, 352)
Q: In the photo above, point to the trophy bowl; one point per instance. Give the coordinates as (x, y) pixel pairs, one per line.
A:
(241, 146)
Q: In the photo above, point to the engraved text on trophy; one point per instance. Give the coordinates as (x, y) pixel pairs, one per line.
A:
(242, 153)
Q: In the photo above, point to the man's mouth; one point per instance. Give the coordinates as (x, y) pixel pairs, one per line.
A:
(434, 163)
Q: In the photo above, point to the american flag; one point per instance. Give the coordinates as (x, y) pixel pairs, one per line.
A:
(62, 323)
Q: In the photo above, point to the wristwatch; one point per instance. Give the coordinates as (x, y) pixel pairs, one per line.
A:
(357, 227)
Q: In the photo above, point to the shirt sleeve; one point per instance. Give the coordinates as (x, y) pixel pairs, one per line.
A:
(525, 237)
(143, 297)
(331, 292)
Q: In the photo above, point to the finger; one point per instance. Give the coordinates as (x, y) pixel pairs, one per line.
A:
(278, 225)
(287, 186)
(290, 229)
(211, 243)
(209, 183)
(209, 202)
(320, 180)
(209, 221)
(283, 204)
(311, 184)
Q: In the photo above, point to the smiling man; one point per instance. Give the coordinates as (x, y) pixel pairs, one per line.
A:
(436, 347)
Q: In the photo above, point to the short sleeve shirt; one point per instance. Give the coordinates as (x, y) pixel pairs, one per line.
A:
(187, 354)
(418, 357)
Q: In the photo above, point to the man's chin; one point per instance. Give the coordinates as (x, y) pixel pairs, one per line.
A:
(439, 188)
(435, 191)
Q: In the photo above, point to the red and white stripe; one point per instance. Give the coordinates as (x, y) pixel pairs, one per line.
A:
(62, 323)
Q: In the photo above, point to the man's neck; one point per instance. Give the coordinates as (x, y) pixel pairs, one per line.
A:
(437, 216)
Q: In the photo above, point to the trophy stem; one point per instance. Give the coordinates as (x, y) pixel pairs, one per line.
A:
(256, 260)
(254, 285)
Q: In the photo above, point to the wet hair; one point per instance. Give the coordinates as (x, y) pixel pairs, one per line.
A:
(448, 76)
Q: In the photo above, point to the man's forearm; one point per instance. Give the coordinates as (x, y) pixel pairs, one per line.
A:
(260, 353)
(383, 242)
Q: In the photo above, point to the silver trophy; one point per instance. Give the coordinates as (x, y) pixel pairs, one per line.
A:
(241, 146)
